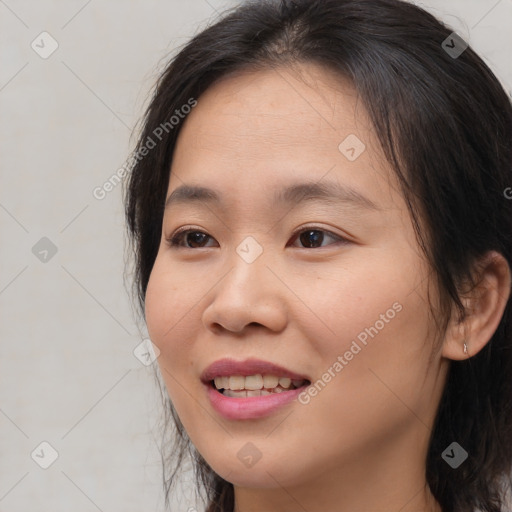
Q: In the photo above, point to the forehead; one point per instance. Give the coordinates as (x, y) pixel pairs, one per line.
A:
(255, 130)
(276, 106)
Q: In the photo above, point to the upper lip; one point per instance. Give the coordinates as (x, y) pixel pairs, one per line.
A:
(231, 367)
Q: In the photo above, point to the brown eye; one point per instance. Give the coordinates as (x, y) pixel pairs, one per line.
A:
(188, 238)
(312, 238)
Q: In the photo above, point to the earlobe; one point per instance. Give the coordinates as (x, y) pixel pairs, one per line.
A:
(484, 305)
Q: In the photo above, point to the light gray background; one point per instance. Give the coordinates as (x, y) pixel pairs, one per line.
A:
(68, 373)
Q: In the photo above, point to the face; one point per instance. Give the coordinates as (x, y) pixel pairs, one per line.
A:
(328, 284)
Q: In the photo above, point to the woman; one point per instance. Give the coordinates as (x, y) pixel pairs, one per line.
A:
(323, 246)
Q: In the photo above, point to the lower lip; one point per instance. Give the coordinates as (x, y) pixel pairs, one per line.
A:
(251, 407)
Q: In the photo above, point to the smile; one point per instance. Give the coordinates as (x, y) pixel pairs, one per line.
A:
(238, 386)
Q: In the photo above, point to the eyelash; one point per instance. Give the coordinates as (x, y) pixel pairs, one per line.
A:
(176, 239)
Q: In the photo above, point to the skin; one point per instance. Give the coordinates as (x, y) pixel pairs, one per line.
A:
(360, 444)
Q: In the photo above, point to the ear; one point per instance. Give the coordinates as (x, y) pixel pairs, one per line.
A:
(484, 305)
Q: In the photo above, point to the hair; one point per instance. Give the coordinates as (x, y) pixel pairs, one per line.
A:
(444, 125)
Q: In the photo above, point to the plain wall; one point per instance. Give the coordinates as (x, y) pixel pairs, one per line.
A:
(68, 375)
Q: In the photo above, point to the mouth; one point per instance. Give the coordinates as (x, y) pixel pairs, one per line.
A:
(250, 389)
(239, 386)
(252, 377)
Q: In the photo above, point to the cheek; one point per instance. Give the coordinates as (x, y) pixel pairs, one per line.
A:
(356, 299)
(380, 368)
(374, 326)
(168, 310)
(159, 306)
(169, 304)
(173, 321)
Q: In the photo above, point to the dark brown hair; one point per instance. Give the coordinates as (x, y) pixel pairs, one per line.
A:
(445, 125)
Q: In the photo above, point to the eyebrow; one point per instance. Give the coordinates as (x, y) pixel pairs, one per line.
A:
(327, 192)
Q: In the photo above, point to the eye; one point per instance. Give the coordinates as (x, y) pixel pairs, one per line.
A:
(181, 238)
(310, 237)
(314, 235)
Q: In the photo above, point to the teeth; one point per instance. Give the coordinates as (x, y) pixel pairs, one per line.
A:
(237, 383)
(235, 394)
(256, 383)
(285, 382)
(221, 382)
(270, 381)
(253, 382)
(251, 392)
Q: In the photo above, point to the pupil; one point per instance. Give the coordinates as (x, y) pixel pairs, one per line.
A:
(308, 238)
(196, 237)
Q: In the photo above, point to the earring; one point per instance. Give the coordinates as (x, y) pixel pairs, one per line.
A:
(465, 348)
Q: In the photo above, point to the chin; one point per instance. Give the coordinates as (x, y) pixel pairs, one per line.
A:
(257, 477)
(271, 471)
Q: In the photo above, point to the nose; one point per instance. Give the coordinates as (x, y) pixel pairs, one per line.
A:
(249, 294)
